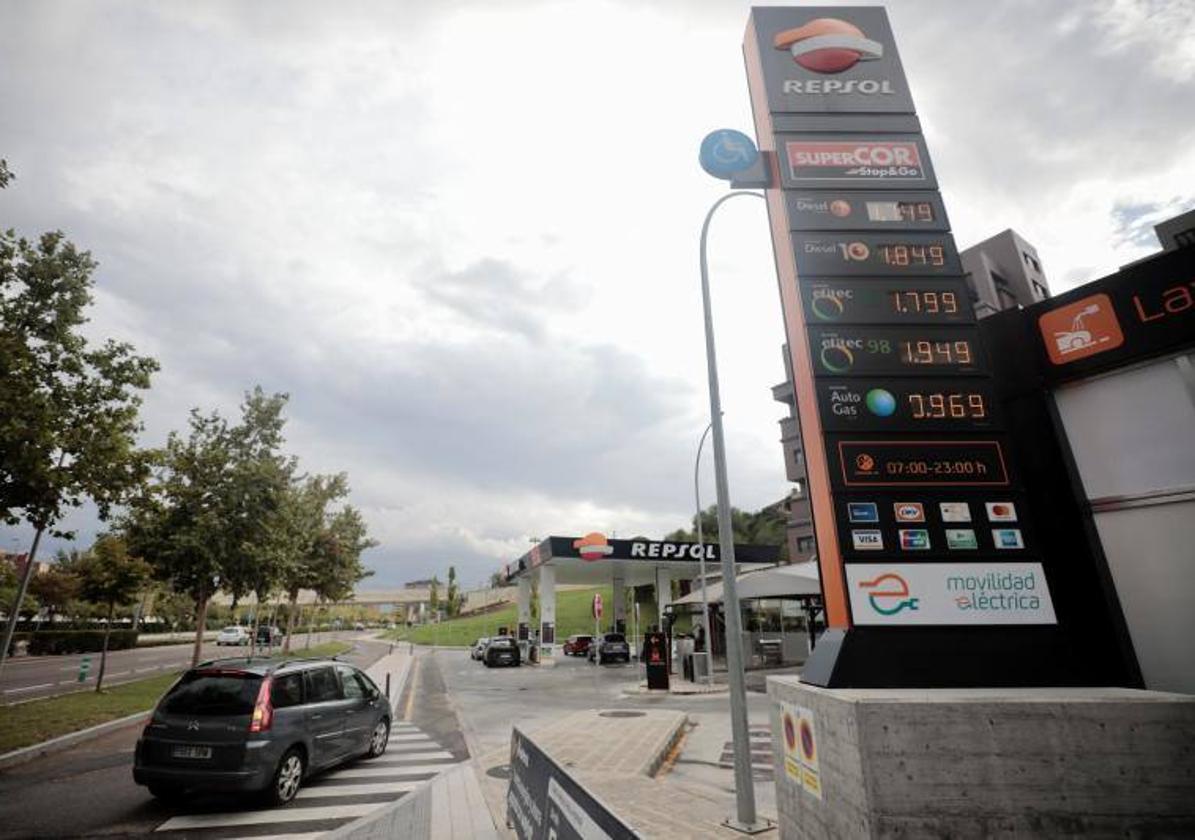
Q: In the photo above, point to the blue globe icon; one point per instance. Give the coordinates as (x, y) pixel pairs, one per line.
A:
(881, 403)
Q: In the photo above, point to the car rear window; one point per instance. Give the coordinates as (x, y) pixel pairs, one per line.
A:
(502, 643)
(209, 693)
(615, 637)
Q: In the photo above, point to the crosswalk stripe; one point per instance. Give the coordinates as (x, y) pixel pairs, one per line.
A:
(408, 755)
(326, 791)
(269, 816)
(411, 737)
(391, 770)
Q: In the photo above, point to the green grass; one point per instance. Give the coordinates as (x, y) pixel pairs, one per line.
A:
(573, 615)
(39, 720)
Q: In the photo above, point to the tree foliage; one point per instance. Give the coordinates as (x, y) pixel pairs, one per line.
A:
(109, 575)
(69, 425)
(765, 527)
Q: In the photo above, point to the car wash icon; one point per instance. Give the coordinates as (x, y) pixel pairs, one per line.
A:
(828, 45)
(889, 594)
(593, 546)
(1081, 329)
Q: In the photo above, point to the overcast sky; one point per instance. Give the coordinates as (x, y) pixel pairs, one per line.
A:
(463, 236)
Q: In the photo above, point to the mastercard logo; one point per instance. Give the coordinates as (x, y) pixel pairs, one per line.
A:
(593, 546)
(828, 45)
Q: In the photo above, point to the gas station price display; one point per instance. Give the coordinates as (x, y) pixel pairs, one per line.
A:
(875, 255)
(853, 210)
(839, 351)
(905, 404)
(920, 301)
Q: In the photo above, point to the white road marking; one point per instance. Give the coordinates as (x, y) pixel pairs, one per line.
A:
(27, 688)
(384, 770)
(328, 812)
(328, 790)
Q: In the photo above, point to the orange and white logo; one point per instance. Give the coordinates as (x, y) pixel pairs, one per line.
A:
(828, 45)
(1080, 329)
(593, 546)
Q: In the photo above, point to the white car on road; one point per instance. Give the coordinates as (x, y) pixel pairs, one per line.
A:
(233, 636)
(479, 647)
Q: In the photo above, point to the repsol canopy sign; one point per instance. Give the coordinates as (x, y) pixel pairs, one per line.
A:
(595, 547)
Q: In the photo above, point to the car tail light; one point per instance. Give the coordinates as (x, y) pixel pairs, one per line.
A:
(263, 710)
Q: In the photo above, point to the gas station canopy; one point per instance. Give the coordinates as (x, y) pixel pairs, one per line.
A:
(594, 559)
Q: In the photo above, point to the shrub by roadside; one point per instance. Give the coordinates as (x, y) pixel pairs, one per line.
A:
(50, 642)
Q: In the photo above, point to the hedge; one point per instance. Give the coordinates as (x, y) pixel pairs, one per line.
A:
(75, 641)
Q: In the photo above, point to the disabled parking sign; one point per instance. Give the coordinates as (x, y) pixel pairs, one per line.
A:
(726, 152)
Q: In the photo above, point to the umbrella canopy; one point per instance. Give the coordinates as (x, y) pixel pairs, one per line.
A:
(797, 580)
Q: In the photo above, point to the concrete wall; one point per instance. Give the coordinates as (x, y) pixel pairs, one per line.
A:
(410, 817)
(985, 763)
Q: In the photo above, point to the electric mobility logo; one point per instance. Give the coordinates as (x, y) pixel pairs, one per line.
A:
(828, 45)
(889, 594)
(593, 546)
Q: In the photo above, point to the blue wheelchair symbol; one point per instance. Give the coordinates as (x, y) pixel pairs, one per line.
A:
(725, 152)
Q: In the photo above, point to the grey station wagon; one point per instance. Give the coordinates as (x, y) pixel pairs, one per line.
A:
(259, 726)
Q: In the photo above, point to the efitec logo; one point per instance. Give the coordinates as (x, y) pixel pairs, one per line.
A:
(593, 546)
(828, 45)
(889, 594)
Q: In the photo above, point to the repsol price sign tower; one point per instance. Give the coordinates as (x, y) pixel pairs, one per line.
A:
(929, 564)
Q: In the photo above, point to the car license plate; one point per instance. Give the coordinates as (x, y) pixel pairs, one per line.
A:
(191, 752)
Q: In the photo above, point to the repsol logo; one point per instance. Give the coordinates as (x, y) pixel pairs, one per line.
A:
(666, 550)
(823, 87)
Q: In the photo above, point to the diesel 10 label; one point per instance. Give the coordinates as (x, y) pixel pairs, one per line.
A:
(875, 254)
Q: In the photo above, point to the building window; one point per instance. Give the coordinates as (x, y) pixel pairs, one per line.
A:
(1031, 261)
(805, 545)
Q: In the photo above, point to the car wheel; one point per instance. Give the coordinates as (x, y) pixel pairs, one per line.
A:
(167, 793)
(287, 778)
(379, 739)
(487, 663)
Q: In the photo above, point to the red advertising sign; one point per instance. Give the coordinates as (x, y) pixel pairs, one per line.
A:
(862, 159)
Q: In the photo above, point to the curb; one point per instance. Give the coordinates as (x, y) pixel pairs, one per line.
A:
(669, 742)
(62, 742)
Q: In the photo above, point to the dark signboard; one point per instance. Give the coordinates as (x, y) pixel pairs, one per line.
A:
(929, 462)
(854, 161)
(904, 405)
(814, 62)
(1142, 311)
(543, 802)
(871, 350)
(886, 301)
(853, 210)
(896, 254)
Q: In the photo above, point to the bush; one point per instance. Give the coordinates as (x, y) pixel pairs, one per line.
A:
(49, 642)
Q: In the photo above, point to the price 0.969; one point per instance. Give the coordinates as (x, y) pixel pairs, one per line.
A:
(947, 406)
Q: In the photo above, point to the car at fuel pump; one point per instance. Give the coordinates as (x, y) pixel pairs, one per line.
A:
(502, 650)
(609, 647)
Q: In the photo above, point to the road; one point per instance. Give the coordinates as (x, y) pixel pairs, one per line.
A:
(89, 792)
(29, 677)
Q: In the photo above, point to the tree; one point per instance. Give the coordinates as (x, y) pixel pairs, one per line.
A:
(306, 509)
(6, 175)
(453, 595)
(177, 521)
(109, 575)
(433, 598)
(70, 419)
(57, 587)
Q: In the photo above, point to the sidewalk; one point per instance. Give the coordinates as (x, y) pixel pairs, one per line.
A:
(396, 665)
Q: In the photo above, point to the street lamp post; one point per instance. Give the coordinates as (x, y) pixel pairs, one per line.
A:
(745, 819)
(705, 603)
